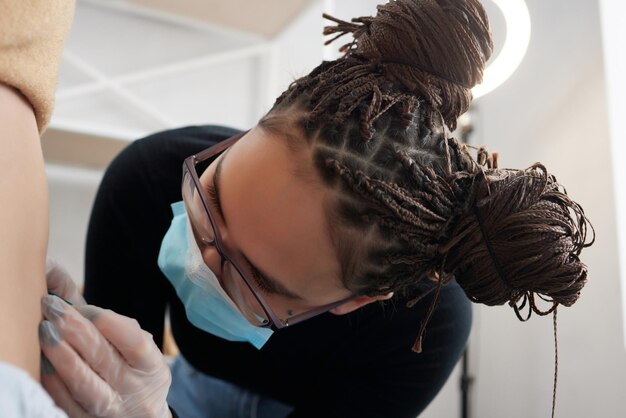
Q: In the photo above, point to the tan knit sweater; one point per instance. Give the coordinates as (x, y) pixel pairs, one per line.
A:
(32, 34)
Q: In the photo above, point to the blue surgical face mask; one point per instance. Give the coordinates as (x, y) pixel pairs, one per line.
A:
(208, 307)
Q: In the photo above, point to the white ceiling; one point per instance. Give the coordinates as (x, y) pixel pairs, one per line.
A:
(128, 71)
(266, 17)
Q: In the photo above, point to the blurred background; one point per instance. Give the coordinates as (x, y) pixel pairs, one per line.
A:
(135, 67)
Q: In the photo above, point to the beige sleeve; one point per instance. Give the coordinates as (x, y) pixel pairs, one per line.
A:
(32, 34)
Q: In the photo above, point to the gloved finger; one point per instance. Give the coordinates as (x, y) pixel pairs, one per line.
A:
(61, 283)
(85, 338)
(134, 344)
(58, 392)
(84, 385)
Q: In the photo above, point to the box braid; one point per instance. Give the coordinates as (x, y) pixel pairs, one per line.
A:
(410, 202)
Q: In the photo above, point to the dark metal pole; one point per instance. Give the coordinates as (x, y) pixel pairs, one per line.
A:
(466, 383)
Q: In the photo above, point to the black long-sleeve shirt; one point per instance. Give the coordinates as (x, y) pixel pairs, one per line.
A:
(354, 365)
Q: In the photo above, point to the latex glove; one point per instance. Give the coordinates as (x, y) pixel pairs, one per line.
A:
(100, 363)
(61, 284)
(32, 34)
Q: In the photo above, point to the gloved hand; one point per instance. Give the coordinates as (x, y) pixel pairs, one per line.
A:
(100, 363)
(32, 34)
(61, 284)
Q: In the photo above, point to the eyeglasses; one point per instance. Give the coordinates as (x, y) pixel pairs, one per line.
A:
(235, 280)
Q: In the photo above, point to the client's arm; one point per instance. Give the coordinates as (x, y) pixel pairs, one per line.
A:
(24, 226)
(32, 33)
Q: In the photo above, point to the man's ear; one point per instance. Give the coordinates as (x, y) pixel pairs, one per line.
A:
(358, 302)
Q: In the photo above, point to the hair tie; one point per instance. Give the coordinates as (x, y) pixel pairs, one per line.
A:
(427, 71)
(490, 249)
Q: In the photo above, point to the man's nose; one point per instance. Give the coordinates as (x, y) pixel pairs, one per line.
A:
(212, 259)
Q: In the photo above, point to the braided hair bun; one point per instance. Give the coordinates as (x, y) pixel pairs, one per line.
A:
(519, 235)
(434, 50)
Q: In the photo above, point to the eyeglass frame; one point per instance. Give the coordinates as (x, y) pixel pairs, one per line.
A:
(275, 322)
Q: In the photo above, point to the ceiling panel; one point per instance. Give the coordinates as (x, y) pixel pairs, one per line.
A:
(267, 17)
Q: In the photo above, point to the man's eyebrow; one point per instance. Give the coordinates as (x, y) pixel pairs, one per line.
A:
(268, 282)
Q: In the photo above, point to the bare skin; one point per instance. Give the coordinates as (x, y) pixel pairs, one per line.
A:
(278, 221)
(24, 226)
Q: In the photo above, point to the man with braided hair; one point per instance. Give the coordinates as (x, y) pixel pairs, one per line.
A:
(320, 264)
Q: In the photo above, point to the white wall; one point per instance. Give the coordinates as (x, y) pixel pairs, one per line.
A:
(613, 13)
(554, 110)
(71, 191)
